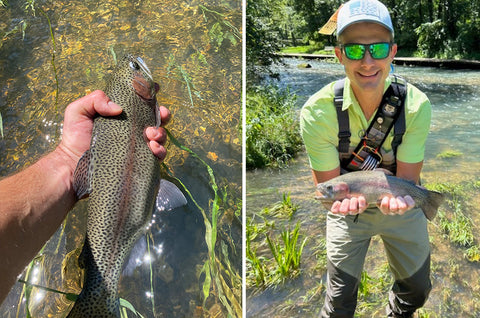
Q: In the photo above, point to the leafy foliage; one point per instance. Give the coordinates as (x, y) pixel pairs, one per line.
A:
(272, 133)
(429, 28)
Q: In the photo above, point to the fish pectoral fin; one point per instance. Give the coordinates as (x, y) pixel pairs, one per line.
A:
(169, 196)
(81, 177)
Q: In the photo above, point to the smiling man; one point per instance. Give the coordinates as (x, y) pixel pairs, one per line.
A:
(371, 119)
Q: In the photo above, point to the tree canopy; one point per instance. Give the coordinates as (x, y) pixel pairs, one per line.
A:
(426, 28)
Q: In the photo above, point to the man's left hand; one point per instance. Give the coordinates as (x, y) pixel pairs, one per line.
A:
(396, 205)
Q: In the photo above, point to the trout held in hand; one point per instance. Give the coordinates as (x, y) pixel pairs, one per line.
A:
(374, 185)
(121, 176)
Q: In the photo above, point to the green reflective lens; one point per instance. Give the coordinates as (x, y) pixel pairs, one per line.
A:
(378, 51)
(355, 51)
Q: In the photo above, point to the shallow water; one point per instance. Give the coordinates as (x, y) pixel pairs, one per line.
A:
(455, 126)
(193, 49)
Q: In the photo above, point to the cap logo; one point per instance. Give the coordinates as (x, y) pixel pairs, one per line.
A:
(364, 7)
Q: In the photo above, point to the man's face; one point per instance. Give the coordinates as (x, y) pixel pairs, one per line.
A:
(367, 74)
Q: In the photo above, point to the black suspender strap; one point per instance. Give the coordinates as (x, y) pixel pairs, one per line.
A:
(400, 89)
(342, 117)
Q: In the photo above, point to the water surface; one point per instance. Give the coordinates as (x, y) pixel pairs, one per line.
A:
(194, 52)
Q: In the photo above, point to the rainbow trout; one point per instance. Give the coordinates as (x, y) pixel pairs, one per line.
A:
(374, 185)
(121, 176)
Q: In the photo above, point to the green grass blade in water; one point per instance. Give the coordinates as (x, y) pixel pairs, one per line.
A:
(213, 267)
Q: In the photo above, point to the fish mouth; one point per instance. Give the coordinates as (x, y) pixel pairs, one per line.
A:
(323, 197)
(322, 193)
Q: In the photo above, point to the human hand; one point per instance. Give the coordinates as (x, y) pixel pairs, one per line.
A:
(396, 205)
(78, 126)
(349, 206)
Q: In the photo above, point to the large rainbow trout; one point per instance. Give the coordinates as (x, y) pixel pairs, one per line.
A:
(121, 176)
(374, 185)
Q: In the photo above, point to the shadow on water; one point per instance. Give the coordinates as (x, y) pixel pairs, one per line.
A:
(455, 119)
(193, 49)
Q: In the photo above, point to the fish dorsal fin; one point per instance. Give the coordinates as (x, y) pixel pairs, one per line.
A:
(387, 172)
(82, 176)
(169, 196)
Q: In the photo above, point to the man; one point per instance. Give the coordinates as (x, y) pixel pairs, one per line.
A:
(366, 50)
(35, 201)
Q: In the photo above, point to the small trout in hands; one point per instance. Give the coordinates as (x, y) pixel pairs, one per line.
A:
(121, 176)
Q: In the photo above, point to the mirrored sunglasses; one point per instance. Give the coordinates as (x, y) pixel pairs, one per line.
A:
(356, 51)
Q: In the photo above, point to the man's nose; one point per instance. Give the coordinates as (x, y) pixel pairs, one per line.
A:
(368, 59)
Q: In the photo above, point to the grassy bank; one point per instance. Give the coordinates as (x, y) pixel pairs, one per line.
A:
(272, 131)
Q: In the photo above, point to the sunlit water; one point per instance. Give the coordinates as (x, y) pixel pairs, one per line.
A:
(193, 49)
(455, 97)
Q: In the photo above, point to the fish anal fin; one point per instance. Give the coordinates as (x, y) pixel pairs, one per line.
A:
(137, 253)
(82, 176)
(169, 196)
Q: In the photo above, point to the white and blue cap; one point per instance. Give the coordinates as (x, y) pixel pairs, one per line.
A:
(355, 11)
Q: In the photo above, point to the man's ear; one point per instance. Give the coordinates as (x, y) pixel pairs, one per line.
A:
(394, 50)
(338, 54)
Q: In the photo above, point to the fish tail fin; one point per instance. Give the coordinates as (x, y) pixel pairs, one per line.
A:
(433, 201)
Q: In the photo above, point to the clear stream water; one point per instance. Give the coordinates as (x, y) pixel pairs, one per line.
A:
(455, 97)
(193, 49)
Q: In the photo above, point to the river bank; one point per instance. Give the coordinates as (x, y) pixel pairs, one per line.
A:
(405, 61)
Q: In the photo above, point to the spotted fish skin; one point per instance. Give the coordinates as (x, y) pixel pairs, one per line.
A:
(122, 178)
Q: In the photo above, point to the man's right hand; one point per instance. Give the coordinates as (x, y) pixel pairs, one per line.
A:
(351, 206)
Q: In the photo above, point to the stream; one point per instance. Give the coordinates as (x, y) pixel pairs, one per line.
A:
(455, 127)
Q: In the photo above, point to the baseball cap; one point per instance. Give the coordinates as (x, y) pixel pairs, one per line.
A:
(355, 11)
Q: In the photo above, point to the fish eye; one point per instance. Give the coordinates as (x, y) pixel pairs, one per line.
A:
(134, 65)
(329, 188)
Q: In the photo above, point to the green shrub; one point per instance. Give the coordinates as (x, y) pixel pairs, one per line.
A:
(272, 131)
(431, 37)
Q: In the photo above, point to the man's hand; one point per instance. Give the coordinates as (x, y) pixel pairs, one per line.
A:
(398, 205)
(351, 206)
(78, 126)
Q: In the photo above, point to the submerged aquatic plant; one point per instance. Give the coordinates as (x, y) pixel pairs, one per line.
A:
(226, 281)
(449, 154)
(288, 254)
(258, 268)
(284, 208)
(457, 226)
(221, 29)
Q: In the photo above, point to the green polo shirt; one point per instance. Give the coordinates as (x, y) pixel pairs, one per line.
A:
(319, 127)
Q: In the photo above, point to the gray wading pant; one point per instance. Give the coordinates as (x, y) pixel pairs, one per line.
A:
(405, 238)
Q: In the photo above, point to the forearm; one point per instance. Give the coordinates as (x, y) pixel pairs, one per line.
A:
(33, 203)
(409, 171)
